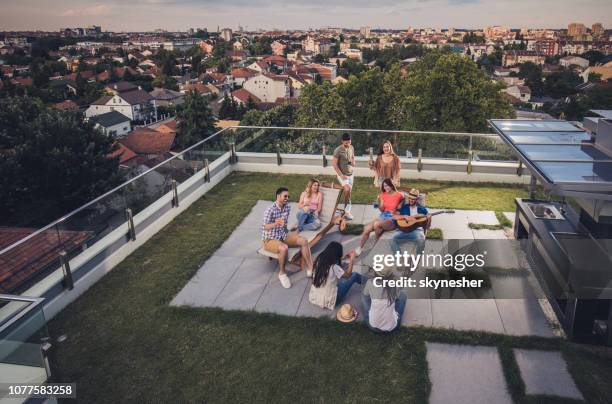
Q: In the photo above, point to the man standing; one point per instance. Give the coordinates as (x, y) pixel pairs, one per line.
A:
(412, 208)
(343, 162)
(277, 239)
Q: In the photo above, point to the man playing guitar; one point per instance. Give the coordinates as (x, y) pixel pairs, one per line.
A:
(411, 210)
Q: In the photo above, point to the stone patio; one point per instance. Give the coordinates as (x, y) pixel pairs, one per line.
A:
(236, 277)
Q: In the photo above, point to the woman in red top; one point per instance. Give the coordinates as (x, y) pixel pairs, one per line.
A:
(389, 203)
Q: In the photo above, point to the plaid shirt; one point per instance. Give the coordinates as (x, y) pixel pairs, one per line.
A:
(272, 213)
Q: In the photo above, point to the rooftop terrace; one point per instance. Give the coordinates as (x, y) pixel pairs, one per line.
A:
(150, 316)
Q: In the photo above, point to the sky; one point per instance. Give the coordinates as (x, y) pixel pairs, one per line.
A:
(179, 15)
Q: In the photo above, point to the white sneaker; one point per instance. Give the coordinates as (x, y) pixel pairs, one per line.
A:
(309, 273)
(357, 251)
(284, 280)
(348, 216)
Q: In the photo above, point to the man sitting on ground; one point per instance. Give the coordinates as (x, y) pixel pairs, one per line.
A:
(412, 208)
(277, 239)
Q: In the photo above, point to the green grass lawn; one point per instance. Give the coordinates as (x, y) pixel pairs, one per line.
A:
(126, 344)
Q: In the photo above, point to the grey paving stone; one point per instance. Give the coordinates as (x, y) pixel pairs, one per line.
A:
(467, 314)
(485, 234)
(241, 244)
(256, 270)
(417, 312)
(208, 282)
(459, 234)
(239, 295)
(545, 372)
(255, 217)
(523, 317)
(482, 217)
(466, 374)
(357, 212)
(276, 299)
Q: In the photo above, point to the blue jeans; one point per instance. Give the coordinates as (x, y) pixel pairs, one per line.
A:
(400, 305)
(307, 220)
(417, 236)
(344, 284)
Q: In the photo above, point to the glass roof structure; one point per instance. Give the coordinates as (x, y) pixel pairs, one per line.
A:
(563, 157)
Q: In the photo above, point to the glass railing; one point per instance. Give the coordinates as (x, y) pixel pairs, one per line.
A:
(23, 335)
(34, 254)
(410, 144)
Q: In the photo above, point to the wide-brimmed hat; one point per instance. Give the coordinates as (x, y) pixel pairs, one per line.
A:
(346, 314)
(413, 193)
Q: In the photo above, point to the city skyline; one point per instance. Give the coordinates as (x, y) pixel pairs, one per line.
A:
(179, 15)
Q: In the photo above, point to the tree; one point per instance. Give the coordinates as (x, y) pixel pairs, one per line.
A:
(51, 162)
(228, 108)
(561, 83)
(195, 120)
(532, 74)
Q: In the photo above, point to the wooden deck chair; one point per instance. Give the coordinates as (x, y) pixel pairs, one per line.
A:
(330, 216)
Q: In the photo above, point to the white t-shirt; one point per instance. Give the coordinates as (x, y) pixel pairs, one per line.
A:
(382, 314)
(325, 295)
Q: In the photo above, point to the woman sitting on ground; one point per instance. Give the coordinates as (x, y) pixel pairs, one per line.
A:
(310, 205)
(331, 282)
(389, 202)
(383, 305)
(386, 165)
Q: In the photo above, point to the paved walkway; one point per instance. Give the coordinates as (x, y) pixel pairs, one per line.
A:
(236, 277)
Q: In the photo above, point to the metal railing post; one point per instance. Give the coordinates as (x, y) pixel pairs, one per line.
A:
(131, 227)
(279, 160)
(234, 153)
(519, 169)
(64, 262)
(232, 150)
(419, 161)
(175, 198)
(469, 164)
(206, 171)
(324, 156)
(532, 187)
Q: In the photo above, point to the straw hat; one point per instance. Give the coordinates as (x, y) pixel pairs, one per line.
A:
(346, 314)
(414, 193)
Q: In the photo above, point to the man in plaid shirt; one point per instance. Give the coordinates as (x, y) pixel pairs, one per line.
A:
(277, 239)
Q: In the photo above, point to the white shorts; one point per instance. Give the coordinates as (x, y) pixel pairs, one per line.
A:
(348, 181)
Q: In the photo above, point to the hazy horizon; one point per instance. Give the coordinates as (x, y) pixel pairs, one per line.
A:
(180, 15)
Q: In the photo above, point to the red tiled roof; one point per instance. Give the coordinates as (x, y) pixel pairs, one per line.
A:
(123, 152)
(33, 256)
(244, 73)
(102, 100)
(169, 126)
(23, 81)
(199, 88)
(65, 105)
(243, 95)
(148, 141)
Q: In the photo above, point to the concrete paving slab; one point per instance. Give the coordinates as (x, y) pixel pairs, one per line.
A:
(239, 295)
(467, 314)
(417, 312)
(482, 217)
(276, 299)
(523, 317)
(207, 283)
(545, 372)
(459, 234)
(256, 270)
(255, 217)
(242, 244)
(466, 374)
(485, 234)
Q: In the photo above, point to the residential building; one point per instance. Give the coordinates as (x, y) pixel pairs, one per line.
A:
(278, 47)
(259, 66)
(112, 124)
(575, 29)
(148, 142)
(239, 76)
(242, 96)
(268, 87)
(568, 61)
(207, 47)
(365, 31)
(138, 105)
(317, 46)
(181, 44)
(522, 93)
(353, 54)
(546, 47)
(497, 32)
(597, 30)
(516, 57)
(226, 34)
(164, 97)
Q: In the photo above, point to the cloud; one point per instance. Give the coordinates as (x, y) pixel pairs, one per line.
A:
(95, 10)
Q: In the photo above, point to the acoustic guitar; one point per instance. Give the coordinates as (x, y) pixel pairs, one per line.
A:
(409, 223)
